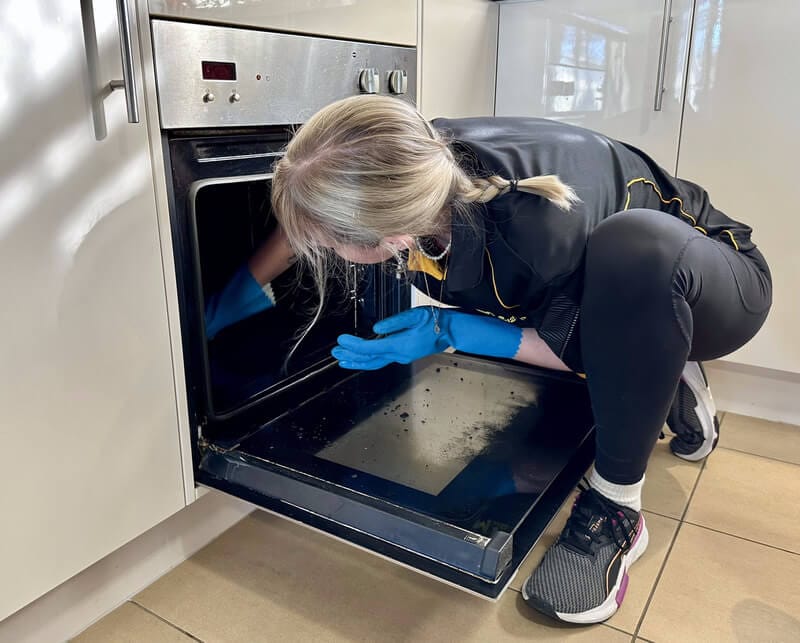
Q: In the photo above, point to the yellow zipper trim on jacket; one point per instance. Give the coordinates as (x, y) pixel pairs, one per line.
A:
(733, 239)
(691, 217)
(494, 284)
(677, 199)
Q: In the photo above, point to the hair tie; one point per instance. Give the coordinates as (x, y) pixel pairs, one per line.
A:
(512, 185)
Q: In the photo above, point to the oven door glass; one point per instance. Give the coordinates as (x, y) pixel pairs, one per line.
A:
(452, 465)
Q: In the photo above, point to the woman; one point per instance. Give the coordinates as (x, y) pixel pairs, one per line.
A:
(562, 248)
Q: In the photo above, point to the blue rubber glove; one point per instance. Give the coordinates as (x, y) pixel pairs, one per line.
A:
(410, 336)
(242, 297)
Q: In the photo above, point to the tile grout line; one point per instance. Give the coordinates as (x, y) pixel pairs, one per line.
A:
(619, 629)
(758, 455)
(669, 551)
(162, 619)
(656, 513)
(749, 540)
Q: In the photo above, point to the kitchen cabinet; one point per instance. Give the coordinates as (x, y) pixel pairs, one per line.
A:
(390, 21)
(740, 139)
(457, 60)
(598, 65)
(458, 55)
(727, 118)
(89, 430)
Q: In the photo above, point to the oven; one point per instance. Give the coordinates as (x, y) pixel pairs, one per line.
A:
(453, 465)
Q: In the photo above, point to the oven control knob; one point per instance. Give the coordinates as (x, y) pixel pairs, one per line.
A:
(234, 97)
(208, 97)
(369, 80)
(398, 81)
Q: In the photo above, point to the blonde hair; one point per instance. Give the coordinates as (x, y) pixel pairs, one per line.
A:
(369, 167)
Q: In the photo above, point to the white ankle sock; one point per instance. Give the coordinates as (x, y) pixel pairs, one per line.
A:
(628, 495)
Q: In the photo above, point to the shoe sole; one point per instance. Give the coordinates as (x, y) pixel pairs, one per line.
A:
(705, 409)
(607, 608)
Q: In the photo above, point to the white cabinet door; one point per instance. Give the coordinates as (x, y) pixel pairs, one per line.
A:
(741, 135)
(391, 21)
(457, 57)
(596, 64)
(87, 401)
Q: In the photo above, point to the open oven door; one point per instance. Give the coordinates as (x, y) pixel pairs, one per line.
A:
(452, 465)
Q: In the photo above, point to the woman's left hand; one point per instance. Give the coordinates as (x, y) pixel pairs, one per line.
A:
(409, 336)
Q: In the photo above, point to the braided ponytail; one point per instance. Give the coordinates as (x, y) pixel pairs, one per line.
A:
(548, 186)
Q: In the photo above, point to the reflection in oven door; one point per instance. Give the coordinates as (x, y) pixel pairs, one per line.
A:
(246, 361)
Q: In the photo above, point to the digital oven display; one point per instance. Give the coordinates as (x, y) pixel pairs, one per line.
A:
(213, 70)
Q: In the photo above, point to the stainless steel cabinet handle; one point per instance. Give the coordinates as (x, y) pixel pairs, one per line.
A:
(128, 82)
(662, 55)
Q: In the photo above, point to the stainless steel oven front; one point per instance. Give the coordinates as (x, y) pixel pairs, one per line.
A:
(453, 465)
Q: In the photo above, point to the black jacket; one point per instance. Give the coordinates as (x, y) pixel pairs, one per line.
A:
(523, 262)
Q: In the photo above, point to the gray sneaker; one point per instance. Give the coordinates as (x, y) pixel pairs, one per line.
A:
(584, 575)
(693, 416)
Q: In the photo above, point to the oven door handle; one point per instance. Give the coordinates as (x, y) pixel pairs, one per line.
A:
(128, 82)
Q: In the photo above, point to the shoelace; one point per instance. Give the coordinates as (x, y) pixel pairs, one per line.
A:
(591, 506)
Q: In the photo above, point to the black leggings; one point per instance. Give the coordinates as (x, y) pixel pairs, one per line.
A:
(657, 293)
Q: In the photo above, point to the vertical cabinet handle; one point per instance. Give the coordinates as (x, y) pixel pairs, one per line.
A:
(128, 82)
(666, 21)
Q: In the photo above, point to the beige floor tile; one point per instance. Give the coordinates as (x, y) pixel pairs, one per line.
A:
(129, 623)
(267, 579)
(719, 588)
(669, 481)
(751, 497)
(761, 437)
(643, 573)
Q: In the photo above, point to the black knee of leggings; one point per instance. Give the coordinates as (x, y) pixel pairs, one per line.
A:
(657, 292)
